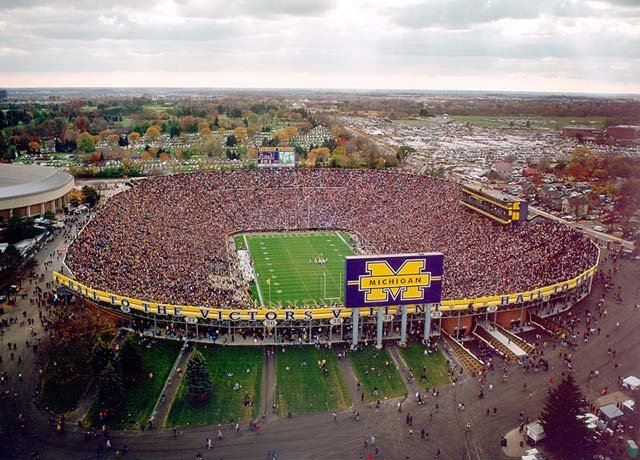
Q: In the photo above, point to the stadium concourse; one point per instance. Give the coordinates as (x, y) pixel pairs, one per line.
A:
(319, 436)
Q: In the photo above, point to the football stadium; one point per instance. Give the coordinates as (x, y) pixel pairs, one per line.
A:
(258, 257)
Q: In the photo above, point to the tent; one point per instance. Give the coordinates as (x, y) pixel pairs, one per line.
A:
(631, 383)
(611, 411)
(534, 431)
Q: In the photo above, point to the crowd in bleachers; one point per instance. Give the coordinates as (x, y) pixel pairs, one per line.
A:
(163, 239)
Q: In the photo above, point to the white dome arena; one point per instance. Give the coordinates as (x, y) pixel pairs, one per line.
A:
(32, 190)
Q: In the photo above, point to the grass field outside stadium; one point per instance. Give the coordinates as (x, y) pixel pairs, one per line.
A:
(435, 364)
(377, 374)
(301, 386)
(227, 366)
(287, 268)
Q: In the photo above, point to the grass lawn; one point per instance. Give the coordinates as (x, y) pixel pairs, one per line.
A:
(140, 396)
(534, 122)
(303, 389)
(375, 369)
(436, 364)
(283, 259)
(225, 403)
(127, 122)
(157, 107)
(412, 121)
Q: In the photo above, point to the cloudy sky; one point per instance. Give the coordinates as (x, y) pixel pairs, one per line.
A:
(534, 45)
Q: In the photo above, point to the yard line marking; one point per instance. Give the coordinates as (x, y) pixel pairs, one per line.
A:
(343, 240)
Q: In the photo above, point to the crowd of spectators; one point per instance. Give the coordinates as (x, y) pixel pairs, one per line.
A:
(162, 240)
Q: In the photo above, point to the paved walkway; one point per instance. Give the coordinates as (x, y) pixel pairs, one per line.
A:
(268, 383)
(504, 340)
(403, 368)
(349, 376)
(171, 388)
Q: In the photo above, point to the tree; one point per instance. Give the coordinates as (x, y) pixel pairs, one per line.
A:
(101, 355)
(153, 133)
(86, 143)
(131, 359)
(110, 389)
(133, 136)
(403, 152)
(10, 261)
(82, 124)
(90, 194)
(34, 146)
(198, 379)
(566, 435)
(19, 228)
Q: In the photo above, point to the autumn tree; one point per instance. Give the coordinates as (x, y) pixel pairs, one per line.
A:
(341, 159)
(82, 124)
(318, 156)
(86, 143)
(133, 136)
(153, 133)
(403, 152)
(241, 134)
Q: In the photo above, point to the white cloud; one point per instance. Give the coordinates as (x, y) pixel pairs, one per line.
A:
(315, 43)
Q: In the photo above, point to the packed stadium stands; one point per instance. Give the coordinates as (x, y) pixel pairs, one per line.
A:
(163, 239)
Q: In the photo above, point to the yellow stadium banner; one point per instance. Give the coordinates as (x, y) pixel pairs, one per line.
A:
(308, 314)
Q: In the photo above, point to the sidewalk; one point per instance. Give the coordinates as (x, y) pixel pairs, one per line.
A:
(161, 411)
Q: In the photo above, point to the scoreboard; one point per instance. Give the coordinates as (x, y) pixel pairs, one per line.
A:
(276, 157)
(494, 204)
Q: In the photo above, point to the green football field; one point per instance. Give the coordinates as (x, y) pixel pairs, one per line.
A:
(286, 274)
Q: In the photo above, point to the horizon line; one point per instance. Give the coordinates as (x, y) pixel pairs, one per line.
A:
(325, 89)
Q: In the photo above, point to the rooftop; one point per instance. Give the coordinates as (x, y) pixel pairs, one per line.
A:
(23, 180)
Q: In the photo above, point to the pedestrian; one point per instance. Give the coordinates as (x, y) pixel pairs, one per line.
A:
(335, 416)
(209, 443)
(175, 431)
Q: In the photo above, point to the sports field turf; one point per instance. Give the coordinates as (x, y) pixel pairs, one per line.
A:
(301, 387)
(436, 364)
(227, 366)
(286, 274)
(376, 370)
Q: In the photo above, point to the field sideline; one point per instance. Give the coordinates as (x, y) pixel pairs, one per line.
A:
(286, 274)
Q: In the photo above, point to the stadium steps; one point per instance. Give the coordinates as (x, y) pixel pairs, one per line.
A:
(549, 325)
(526, 346)
(483, 335)
(469, 361)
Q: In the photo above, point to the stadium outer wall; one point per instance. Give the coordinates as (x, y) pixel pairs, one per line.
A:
(260, 326)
